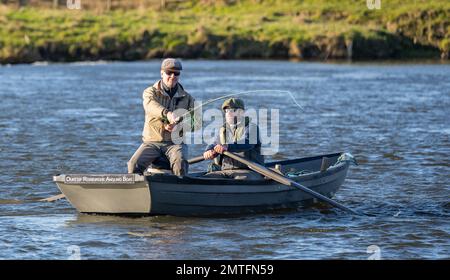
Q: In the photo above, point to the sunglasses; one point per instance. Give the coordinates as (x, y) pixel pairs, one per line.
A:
(169, 73)
(228, 110)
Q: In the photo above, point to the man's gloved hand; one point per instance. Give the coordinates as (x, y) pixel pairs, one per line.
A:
(210, 154)
(220, 148)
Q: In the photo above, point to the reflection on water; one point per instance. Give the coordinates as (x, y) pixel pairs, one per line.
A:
(87, 117)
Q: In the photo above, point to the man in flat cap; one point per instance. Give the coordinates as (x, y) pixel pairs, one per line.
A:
(160, 101)
(237, 135)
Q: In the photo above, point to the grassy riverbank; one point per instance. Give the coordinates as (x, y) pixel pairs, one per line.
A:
(243, 29)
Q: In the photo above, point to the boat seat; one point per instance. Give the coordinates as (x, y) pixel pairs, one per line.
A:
(160, 166)
(326, 162)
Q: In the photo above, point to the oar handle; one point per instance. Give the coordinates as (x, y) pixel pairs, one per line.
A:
(196, 159)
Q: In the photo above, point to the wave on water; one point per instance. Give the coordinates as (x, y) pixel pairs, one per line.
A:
(40, 63)
(357, 75)
(89, 113)
(89, 63)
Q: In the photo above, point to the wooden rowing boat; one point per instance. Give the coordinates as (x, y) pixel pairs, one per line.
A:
(194, 195)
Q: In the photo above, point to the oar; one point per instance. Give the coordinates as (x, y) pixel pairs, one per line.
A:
(53, 198)
(196, 159)
(286, 181)
(59, 196)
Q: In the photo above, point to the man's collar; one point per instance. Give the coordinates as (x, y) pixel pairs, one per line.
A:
(180, 91)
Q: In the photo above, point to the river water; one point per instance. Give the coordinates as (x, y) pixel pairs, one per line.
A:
(87, 118)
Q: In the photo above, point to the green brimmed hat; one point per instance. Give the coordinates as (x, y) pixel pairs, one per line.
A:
(233, 103)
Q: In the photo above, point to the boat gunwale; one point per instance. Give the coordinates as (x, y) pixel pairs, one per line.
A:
(192, 180)
(298, 160)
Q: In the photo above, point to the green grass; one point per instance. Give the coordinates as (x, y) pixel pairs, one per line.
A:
(269, 21)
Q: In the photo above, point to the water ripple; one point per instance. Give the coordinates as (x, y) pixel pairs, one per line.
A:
(87, 117)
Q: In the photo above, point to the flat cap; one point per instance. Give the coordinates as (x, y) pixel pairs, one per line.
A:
(233, 103)
(171, 64)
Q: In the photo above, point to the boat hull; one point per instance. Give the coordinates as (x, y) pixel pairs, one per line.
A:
(91, 196)
(162, 194)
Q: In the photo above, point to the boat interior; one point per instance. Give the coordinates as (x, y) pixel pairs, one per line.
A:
(160, 169)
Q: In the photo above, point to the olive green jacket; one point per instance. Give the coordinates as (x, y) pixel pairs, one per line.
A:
(156, 102)
(244, 140)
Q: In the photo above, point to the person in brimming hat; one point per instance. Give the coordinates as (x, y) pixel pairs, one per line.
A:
(160, 101)
(237, 135)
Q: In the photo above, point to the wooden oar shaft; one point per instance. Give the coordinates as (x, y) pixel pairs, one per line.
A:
(286, 181)
(53, 198)
(196, 159)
